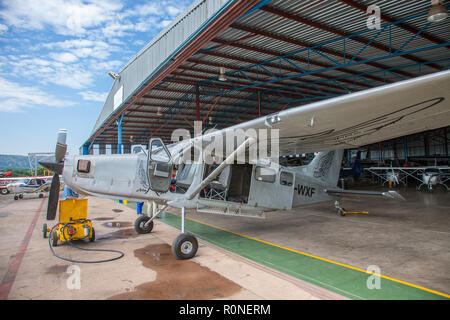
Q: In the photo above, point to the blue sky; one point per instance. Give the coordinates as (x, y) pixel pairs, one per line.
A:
(55, 56)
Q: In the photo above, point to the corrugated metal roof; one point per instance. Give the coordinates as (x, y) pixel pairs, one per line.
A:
(275, 29)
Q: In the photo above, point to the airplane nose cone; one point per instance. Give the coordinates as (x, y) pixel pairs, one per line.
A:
(51, 164)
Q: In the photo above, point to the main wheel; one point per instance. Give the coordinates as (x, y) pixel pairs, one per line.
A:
(54, 238)
(184, 246)
(4, 191)
(44, 230)
(139, 225)
(20, 196)
(41, 195)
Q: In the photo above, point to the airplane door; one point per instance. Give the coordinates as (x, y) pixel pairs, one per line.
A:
(160, 166)
(271, 189)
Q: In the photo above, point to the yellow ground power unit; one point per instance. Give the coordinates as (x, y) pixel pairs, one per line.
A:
(73, 223)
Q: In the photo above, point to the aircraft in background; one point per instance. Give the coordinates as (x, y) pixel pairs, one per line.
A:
(257, 185)
(5, 182)
(29, 185)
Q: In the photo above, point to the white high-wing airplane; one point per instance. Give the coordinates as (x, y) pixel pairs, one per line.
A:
(259, 184)
(29, 185)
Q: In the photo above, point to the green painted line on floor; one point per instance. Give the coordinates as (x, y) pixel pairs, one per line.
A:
(340, 279)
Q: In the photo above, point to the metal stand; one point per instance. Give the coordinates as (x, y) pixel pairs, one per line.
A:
(183, 212)
(340, 210)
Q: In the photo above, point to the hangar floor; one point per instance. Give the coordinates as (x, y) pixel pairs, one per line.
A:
(147, 271)
(407, 241)
(306, 253)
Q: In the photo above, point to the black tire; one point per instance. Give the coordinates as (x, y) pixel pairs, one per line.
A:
(4, 191)
(41, 195)
(92, 239)
(16, 198)
(44, 230)
(54, 238)
(20, 196)
(139, 225)
(184, 246)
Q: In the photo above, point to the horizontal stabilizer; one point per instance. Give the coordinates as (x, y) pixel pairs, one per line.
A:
(344, 193)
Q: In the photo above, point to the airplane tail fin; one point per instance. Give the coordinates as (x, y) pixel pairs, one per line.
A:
(326, 166)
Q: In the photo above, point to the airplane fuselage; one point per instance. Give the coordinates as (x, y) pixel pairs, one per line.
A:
(126, 177)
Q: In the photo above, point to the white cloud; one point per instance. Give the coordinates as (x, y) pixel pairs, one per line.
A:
(83, 48)
(15, 97)
(65, 57)
(172, 11)
(3, 28)
(65, 17)
(94, 96)
(75, 76)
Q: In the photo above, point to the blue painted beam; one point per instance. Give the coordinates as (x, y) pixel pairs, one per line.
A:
(119, 134)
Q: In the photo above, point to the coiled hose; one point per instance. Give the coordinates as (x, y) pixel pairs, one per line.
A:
(121, 254)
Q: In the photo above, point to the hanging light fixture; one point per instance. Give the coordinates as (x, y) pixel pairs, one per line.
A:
(210, 120)
(222, 74)
(159, 112)
(437, 11)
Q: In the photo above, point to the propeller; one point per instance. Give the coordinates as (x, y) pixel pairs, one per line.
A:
(55, 163)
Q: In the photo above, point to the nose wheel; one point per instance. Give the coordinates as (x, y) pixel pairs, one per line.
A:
(143, 225)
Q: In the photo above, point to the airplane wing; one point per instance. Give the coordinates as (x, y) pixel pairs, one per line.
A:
(346, 193)
(360, 118)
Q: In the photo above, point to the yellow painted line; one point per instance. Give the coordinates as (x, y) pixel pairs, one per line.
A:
(319, 258)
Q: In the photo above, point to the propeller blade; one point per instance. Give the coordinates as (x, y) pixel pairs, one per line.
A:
(55, 163)
(53, 197)
(61, 146)
(51, 164)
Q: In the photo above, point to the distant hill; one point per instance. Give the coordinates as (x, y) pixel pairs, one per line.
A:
(13, 162)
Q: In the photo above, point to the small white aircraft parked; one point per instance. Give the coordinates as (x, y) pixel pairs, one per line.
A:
(29, 185)
(258, 184)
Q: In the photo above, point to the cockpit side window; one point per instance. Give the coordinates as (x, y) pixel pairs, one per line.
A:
(265, 174)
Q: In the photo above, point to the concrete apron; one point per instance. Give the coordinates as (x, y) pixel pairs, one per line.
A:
(148, 271)
(345, 280)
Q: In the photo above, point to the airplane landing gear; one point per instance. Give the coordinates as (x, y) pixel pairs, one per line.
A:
(144, 223)
(184, 246)
(141, 226)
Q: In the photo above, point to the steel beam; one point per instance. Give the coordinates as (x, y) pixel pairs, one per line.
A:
(341, 33)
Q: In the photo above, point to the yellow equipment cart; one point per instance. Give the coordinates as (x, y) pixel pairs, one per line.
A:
(73, 223)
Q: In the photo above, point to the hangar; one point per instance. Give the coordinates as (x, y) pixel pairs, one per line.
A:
(227, 62)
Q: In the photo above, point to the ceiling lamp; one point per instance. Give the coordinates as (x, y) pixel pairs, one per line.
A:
(159, 112)
(437, 12)
(210, 120)
(222, 74)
